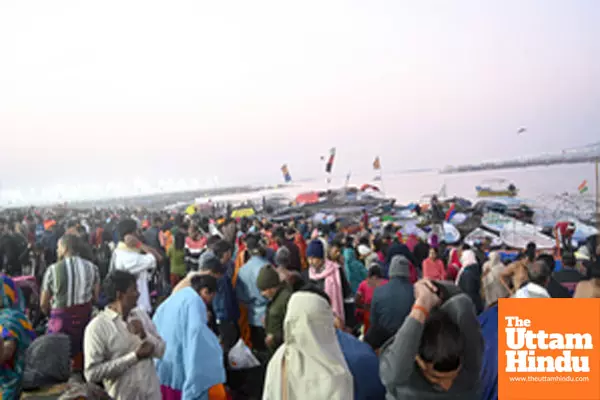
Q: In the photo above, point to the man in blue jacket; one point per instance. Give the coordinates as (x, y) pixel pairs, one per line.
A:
(248, 293)
(391, 303)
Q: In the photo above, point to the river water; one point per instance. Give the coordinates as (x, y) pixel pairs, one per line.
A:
(551, 186)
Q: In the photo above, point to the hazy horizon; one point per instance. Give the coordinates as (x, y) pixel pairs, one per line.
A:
(111, 93)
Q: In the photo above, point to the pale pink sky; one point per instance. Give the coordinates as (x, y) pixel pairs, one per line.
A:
(99, 92)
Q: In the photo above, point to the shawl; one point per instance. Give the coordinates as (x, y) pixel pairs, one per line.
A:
(310, 361)
(333, 286)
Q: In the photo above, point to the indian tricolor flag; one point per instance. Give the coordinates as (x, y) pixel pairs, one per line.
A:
(583, 187)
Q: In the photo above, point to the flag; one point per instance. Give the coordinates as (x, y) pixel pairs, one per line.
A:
(286, 173)
(377, 164)
(583, 187)
(348, 178)
(329, 165)
(450, 213)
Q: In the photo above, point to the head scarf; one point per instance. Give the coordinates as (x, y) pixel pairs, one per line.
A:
(14, 326)
(491, 284)
(11, 294)
(315, 367)
(468, 258)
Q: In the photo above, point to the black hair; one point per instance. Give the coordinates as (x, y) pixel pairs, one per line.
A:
(442, 343)
(349, 242)
(279, 233)
(548, 259)
(568, 259)
(378, 244)
(117, 281)
(375, 271)
(212, 240)
(530, 251)
(364, 240)
(126, 227)
(72, 223)
(290, 231)
(107, 235)
(179, 240)
(213, 265)
(221, 247)
(208, 282)
(73, 244)
(336, 243)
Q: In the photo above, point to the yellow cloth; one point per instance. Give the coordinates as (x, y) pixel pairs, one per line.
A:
(191, 209)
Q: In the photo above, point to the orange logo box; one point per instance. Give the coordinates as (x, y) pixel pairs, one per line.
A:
(549, 349)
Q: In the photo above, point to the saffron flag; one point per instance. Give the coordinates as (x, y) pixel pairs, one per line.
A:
(583, 187)
(377, 164)
(286, 173)
(329, 165)
(450, 213)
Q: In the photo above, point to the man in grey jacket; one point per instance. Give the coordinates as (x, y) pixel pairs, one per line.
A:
(437, 352)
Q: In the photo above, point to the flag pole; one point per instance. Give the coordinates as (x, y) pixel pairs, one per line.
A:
(597, 195)
(381, 178)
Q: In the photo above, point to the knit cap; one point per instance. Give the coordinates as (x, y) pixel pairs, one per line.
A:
(268, 278)
(315, 249)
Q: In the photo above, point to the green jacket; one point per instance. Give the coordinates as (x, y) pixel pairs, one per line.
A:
(276, 315)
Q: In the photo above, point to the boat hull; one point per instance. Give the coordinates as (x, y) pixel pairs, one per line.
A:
(497, 193)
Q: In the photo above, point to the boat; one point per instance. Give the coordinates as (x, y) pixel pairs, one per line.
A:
(496, 188)
(410, 227)
(497, 222)
(479, 235)
(516, 234)
(519, 238)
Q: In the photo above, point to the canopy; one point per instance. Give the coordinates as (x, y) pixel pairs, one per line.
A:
(367, 186)
(243, 212)
(307, 198)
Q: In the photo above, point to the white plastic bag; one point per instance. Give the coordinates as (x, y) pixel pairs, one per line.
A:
(241, 357)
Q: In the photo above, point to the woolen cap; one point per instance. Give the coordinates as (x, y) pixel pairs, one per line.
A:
(268, 278)
(315, 249)
(399, 267)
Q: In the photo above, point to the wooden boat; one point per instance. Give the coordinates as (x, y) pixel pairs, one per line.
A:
(496, 188)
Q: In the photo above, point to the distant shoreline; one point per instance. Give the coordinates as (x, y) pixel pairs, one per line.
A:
(516, 164)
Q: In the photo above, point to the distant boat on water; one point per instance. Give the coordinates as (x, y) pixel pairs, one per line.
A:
(496, 188)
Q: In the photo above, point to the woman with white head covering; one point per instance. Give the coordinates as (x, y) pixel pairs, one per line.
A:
(492, 283)
(310, 363)
(469, 278)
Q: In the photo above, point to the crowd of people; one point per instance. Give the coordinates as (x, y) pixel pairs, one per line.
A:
(155, 306)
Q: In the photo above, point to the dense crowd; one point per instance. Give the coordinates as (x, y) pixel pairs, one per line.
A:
(132, 305)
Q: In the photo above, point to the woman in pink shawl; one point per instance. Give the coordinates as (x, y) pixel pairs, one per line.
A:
(326, 275)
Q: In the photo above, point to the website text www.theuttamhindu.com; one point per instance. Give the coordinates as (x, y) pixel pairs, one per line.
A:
(555, 378)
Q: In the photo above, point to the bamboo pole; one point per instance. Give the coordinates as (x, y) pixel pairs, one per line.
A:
(597, 195)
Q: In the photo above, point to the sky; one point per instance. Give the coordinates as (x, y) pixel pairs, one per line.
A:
(113, 94)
